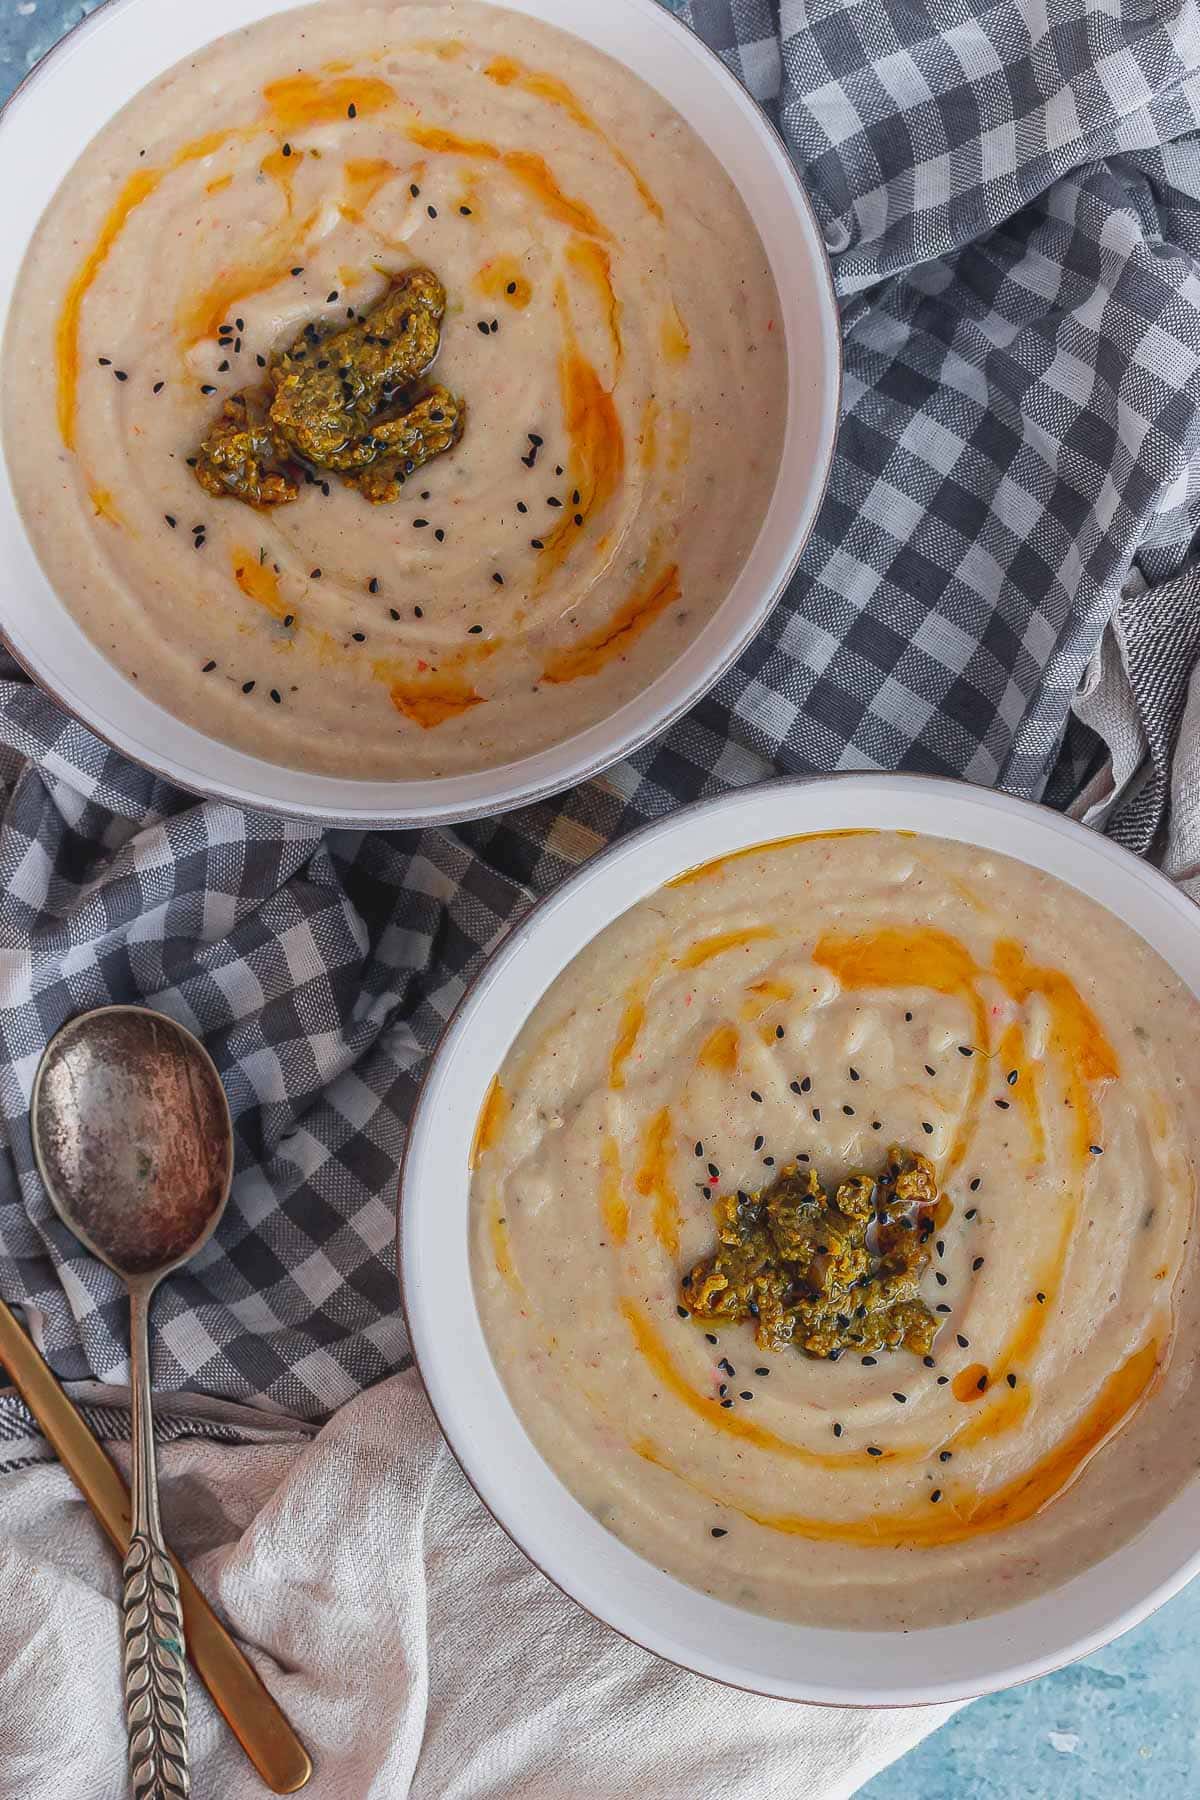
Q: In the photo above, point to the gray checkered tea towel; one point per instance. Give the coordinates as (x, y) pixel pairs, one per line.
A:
(1011, 197)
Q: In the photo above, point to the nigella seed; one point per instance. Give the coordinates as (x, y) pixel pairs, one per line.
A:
(816, 1113)
(314, 574)
(682, 1311)
(935, 1496)
(105, 362)
(942, 1307)
(795, 1087)
(873, 1450)
(495, 324)
(1041, 1299)
(727, 1366)
(964, 1343)
(971, 1212)
(360, 637)
(876, 1124)
(206, 387)
(758, 1143)
(482, 326)
(521, 507)
(806, 1084)
(1003, 1105)
(714, 1171)
(465, 211)
(902, 1398)
(247, 687)
(926, 1127)
(727, 1404)
(373, 585)
(762, 1371)
(940, 1246)
(965, 1050)
(394, 614)
(837, 1431)
(171, 520)
(414, 190)
(1011, 1078)
(208, 667)
(352, 111)
(849, 1111)
(1095, 1150)
(159, 386)
(440, 535)
(942, 1380)
(929, 1362)
(122, 376)
(719, 1531)
(975, 1184)
(276, 696)
(419, 524)
(498, 578)
(331, 297)
(432, 211)
(474, 630)
(908, 1018)
(981, 1384)
(711, 1337)
(699, 1148)
(945, 1455)
(511, 288)
(756, 1096)
(939, 1278)
(223, 367)
(298, 270)
(289, 620)
(1011, 1379)
(287, 149)
(537, 544)
(978, 1263)
(869, 1362)
(579, 518)
(779, 1031)
(723, 1390)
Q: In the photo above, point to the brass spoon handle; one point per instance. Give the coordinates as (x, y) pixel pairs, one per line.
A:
(155, 1670)
(248, 1708)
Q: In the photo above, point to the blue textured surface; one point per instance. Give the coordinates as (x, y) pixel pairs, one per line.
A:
(1126, 1721)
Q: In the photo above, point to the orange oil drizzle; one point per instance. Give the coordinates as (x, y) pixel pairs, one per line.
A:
(618, 633)
(105, 506)
(493, 1115)
(592, 261)
(300, 100)
(505, 71)
(138, 188)
(596, 456)
(720, 1051)
(498, 275)
(219, 185)
(1011, 1054)
(259, 582)
(527, 168)
(719, 864)
(362, 179)
(613, 1209)
(704, 951)
(673, 336)
(653, 1180)
(633, 1017)
(765, 994)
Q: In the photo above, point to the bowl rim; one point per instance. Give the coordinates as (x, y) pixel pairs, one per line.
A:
(913, 1694)
(369, 814)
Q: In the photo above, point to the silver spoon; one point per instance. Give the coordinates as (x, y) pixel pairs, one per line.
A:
(133, 1140)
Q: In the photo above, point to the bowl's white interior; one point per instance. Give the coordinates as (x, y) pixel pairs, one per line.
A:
(797, 1662)
(130, 42)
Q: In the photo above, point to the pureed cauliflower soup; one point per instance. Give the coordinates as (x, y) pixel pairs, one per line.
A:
(245, 473)
(832, 1214)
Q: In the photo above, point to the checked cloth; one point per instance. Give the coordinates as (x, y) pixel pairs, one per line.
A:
(1010, 194)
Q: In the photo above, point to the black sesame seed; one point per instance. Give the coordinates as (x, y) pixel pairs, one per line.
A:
(902, 1398)
(758, 1143)
(474, 630)
(837, 1431)
(352, 111)
(483, 326)
(552, 501)
(935, 1496)
(971, 1212)
(495, 324)
(876, 1125)
(981, 1384)
(276, 696)
(762, 1371)
(579, 518)
(710, 1337)
(1011, 1379)
(419, 524)
(287, 149)
(975, 1184)
(816, 1113)
(537, 544)
(779, 1031)
(122, 376)
(869, 1362)
(727, 1366)
(929, 1362)
(699, 1148)
(795, 1087)
(247, 687)
(719, 1531)
(289, 620)
(727, 1404)
(393, 614)
(414, 190)
(908, 1018)
(1095, 1150)
(926, 1127)
(756, 1096)
(942, 1380)
(223, 367)
(1003, 1105)
(942, 1307)
(159, 386)
(331, 296)
(1041, 1299)
(714, 1171)
(521, 507)
(360, 637)
(314, 574)
(723, 1390)
(978, 1263)
(298, 270)
(105, 362)
(205, 388)
(432, 211)
(208, 667)
(440, 535)
(682, 1311)
(873, 1450)
(940, 1246)
(965, 1050)
(171, 520)
(498, 578)
(945, 1455)
(1011, 1078)
(939, 1278)
(929, 1070)
(964, 1343)
(511, 288)
(849, 1111)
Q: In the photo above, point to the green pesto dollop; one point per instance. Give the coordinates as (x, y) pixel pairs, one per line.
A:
(822, 1275)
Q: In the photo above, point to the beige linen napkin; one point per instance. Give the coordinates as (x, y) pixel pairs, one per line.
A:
(416, 1650)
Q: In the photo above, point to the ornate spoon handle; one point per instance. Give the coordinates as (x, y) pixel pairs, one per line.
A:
(155, 1682)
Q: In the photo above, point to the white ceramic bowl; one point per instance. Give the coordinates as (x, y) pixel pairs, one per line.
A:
(110, 58)
(556, 1532)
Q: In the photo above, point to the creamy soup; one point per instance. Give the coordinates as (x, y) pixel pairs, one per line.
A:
(612, 328)
(816, 1001)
